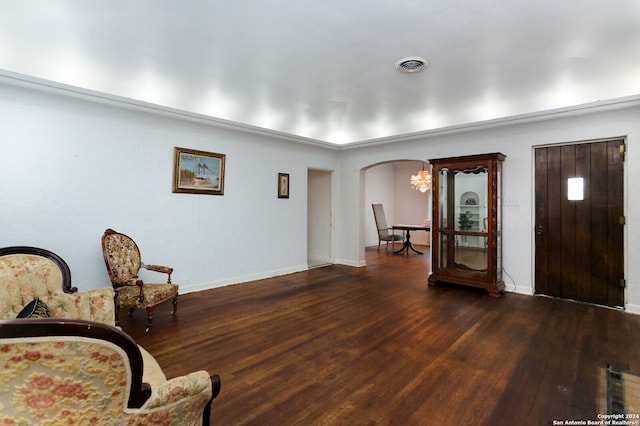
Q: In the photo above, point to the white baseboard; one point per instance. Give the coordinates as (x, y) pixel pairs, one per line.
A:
(632, 308)
(240, 279)
(318, 259)
(521, 289)
(191, 288)
(356, 264)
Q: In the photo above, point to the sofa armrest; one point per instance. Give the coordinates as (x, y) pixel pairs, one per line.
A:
(187, 396)
(101, 303)
(93, 305)
(196, 384)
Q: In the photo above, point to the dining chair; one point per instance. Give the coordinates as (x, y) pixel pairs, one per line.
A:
(385, 233)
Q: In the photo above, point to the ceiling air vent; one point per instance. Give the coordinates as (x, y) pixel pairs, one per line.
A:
(412, 64)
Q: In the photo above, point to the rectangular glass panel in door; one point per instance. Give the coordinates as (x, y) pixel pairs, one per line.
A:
(471, 231)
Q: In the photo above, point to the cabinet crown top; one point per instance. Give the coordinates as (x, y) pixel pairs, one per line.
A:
(491, 156)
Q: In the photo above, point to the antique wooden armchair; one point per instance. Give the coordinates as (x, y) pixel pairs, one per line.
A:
(123, 262)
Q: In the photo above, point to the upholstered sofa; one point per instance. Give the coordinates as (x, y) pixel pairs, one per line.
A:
(75, 366)
(27, 273)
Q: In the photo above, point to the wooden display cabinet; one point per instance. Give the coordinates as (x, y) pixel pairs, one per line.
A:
(466, 221)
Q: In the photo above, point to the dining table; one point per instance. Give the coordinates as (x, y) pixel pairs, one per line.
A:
(407, 245)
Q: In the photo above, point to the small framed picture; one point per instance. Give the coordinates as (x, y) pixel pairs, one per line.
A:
(198, 172)
(283, 185)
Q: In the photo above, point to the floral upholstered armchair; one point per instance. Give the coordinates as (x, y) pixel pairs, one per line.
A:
(122, 259)
(76, 372)
(48, 364)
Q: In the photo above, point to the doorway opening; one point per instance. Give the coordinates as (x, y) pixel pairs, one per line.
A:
(319, 218)
(389, 184)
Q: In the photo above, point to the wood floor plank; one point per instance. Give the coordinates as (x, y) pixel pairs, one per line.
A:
(376, 346)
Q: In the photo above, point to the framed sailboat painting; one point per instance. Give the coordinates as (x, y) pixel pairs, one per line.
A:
(198, 172)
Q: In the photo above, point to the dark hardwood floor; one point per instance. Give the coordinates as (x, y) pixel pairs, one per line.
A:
(375, 346)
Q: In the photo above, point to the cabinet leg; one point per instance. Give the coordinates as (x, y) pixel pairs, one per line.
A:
(494, 293)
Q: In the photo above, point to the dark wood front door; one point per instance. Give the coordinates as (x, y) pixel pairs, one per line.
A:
(579, 250)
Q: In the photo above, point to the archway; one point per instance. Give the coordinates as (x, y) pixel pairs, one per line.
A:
(387, 183)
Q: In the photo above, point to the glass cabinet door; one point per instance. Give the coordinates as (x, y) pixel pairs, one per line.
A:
(471, 218)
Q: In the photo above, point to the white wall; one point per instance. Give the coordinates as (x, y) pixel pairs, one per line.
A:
(73, 165)
(516, 139)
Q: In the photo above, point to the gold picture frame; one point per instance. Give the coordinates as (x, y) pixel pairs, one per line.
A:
(198, 172)
(283, 185)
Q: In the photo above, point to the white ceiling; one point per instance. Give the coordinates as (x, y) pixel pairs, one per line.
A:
(325, 70)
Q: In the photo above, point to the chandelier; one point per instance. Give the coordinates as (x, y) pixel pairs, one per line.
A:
(421, 181)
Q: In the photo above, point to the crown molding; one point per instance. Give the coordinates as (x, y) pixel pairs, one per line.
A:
(586, 108)
(105, 98)
(121, 101)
